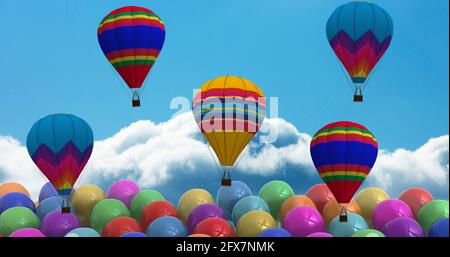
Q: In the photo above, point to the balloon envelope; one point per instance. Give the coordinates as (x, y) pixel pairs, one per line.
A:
(105, 211)
(16, 218)
(84, 199)
(354, 224)
(120, 225)
(16, 199)
(57, 224)
(142, 199)
(246, 204)
(255, 222)
(439, 228)
(155, 210)
(27, 232)
(275, 193)
(13, 187)
(214, 227)
(82, 232)
(50, 204)
(388, 210)
(228, 196)
(403, 227)
(191, 199)
(123, 190)
(166, 226)
(415, 198)
(203, 212)
(303, 220)
(320, 194)
(431, 212)
(275, 232)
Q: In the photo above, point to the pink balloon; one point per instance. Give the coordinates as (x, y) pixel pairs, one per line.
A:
(388, 210)
(320, 234)
(302, 221)
(123, 190)
(27, 232)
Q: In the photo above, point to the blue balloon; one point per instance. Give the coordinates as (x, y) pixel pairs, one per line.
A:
(275, 232)
(228, 196)
(134, 234)
(48, 190)
(16, 199)
(347, 229)
(166, 226)
(246, 204)
(83, 232)
(50, 204)
(439, 228)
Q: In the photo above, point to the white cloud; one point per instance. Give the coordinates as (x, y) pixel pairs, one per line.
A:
(155, 154)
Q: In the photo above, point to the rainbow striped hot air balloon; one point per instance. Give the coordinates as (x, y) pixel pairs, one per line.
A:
(359, 34)
(229, 111)
(131, 38)
(60, 145)
(343, 153)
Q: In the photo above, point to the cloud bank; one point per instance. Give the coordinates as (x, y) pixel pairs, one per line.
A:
(173, 157)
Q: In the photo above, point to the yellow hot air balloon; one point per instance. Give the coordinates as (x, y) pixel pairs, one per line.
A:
(229, 111)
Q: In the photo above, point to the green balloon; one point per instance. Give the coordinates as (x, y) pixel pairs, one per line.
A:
(368, 233)
(431, 212)
(142, 199)
(275, 193)
(106, 210)
(16, 218)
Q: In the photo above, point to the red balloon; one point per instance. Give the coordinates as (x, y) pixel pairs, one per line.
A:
(215, 227)
(415, 198)
(157, 209)
(320, 194)
(119, 226)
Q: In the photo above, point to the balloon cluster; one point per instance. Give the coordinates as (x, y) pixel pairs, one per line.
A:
(127, 211)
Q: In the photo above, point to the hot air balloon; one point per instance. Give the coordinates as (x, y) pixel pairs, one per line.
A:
(131, 38)
(60, 145)
(229, 111)
(359, 34)
(343, 153)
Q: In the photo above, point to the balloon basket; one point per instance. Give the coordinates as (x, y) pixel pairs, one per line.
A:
(343, 215)
(357, 98)
(65, 209)
(226, 182)
(136, 103)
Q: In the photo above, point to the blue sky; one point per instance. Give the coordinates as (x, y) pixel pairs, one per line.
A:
(51, 62)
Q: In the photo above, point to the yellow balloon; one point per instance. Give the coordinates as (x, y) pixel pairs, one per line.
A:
(84, 199)
(253, 223)
(199, 235)
(368, 198)
(192, 199)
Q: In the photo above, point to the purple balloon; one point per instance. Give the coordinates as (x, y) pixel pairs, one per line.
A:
(202, 212)
(123, 190)
(403, 227)
(320, 234)
(388, 210)
(27, 232)
(57, 224)
(302, 221)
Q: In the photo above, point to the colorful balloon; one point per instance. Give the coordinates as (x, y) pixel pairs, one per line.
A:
(27, 232)
(134, 234)
(203, 212)
(403, 227)
(60, 145)
(16, 218)
(142, 199)
(439, 228)
(388, 210)
(368, 198)
(155, 210)
(320, 194)
(431, 212)
(105, 211)
(166, 226)
(214, 227)
(368, 233)
(228, 196)
(13, 187)
(303, 220)
(48, 190)
(333, 209)
(229, 111)
(354, 224)
(51, 204)
(359, 34)
(199, 235)
(415, 198)
(83, 232)
(295, 201)
(246, 204)
(254, 222)
(191, 199)
(344, 152)
(123, 190)
(119, 226)
(131, 38)
(275, 193)
(320, 234)
(275, 232)
(58, 224)
(84, 199)
(16, 199)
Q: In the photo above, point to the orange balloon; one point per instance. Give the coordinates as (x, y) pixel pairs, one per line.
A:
(333, 209)
(199, 235)
(320, 194)
(13, 187)
(295, 201)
